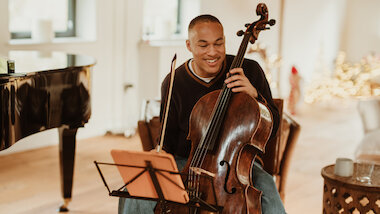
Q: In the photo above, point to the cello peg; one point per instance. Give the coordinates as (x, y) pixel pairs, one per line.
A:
(272, 22)
(240, 33)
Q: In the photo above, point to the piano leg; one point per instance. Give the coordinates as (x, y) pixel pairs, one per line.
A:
(66, 161)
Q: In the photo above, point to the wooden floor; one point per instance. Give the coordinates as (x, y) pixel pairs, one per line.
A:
(29, 181)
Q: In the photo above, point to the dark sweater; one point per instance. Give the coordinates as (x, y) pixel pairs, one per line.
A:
(188, 89)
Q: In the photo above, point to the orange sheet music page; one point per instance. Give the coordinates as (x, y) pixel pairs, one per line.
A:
(143, 185)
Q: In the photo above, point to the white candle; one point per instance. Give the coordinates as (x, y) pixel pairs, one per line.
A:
(344, 167)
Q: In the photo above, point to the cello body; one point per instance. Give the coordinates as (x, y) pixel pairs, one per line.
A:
(226, 169)
(231, 160)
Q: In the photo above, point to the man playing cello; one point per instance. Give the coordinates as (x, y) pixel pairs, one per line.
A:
(204, 73)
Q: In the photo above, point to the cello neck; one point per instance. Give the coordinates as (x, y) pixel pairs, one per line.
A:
(236, 63)
(238, 60)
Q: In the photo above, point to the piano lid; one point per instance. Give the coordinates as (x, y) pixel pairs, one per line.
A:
(29, 62)
(54, 91)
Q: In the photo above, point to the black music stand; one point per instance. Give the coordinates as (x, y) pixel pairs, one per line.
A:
(147, 180)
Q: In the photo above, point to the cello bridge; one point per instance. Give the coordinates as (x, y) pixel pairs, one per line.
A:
(199, 171)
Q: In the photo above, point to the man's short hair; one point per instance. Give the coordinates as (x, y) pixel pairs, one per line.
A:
(203, 18)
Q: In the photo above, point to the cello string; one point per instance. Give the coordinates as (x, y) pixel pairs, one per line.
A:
(238, 60)
(211, 129)
(236, 63)
(200, 154)
(210, 134)
(221, 115)
(195, 161)
(215, 124)
(217, 119)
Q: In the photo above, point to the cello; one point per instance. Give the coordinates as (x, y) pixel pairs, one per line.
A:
(227, 130)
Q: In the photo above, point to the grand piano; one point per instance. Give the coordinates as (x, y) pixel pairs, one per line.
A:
(48, 90)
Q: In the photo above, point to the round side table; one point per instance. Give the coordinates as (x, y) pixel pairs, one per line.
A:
(347, 195)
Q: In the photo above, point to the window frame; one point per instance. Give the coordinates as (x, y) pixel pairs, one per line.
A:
(70, 32)
(179, 22)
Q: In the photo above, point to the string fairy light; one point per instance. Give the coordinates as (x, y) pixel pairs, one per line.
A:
(359, 80)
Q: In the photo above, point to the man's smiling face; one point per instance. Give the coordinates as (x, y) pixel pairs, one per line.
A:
(206, 43)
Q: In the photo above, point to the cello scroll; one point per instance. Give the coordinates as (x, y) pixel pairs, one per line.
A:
(256, 27)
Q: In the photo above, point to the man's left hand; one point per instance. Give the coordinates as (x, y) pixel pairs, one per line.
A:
(240, 83)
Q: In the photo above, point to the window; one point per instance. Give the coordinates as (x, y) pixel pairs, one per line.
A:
(23, 14)
(161, 18)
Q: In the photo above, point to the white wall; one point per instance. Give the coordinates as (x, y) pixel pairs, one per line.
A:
(312, 31)
(361, 29)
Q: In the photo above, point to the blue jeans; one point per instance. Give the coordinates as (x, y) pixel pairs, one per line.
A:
(270, 201)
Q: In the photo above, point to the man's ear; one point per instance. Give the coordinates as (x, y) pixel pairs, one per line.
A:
(188, 45)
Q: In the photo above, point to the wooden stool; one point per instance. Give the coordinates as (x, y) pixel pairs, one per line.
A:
(347, 195)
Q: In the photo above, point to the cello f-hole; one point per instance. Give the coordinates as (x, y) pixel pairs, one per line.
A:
(233, 189)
